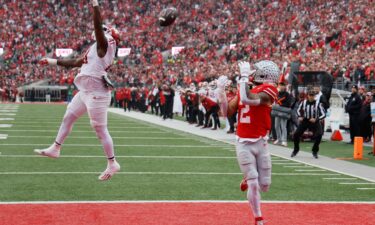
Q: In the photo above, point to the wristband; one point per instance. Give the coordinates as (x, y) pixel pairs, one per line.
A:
(95, 3)
(52, 62)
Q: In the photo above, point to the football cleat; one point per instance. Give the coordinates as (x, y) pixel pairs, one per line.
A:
(259, 221)
(243, 185)
(110, 171)
(52, 151)
(294, 153)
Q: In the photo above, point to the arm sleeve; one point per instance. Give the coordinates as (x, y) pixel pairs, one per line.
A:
(322, 111)
(299, 109)
(243, 96)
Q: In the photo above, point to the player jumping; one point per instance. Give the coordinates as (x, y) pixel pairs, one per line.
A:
(254, 124)
(94, 94)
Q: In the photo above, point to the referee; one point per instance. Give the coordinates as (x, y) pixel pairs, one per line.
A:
(310, 113)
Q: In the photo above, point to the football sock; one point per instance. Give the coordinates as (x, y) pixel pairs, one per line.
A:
(106, 140)
(65, 128)
(253, 196)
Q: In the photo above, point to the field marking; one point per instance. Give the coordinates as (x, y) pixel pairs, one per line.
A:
(310, 170)
(365, 188)
(279, 160)
(3, 136)
(124, 173)
(339, 178)
(7, 114)
(94, 137)
(8, 111)
(59, 122)
(6, 125)
(124, 156)
(287, 163)
(91, 131)
(357, 183)
(118, 145)
(6, 119)
(183, 201)
(319, 166)
(159, 173)
(89, 127)
(301, 166)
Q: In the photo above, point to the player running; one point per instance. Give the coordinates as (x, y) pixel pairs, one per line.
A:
(254, 124)
(94, 95)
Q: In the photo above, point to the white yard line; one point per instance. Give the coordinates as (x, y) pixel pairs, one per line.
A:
(114, 137)
(357, 183)
(365, 188)
(3, 136)
(310, 170)
(59, 122)
(119, 145)
(6, 119)
(89, 127)
(125, 156)
(279, 160)
(7, 114)
(184, 202)
(157, 173)
(91, 131)
(302, 166)
(339, 178)
(6, 125)
(287, 163)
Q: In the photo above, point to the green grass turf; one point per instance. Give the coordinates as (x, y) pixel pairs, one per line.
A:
(137, 144)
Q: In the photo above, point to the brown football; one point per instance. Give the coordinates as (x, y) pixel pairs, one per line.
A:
(167, 16)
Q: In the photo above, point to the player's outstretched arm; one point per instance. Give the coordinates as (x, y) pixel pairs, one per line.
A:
(76, 62)
(101, 40)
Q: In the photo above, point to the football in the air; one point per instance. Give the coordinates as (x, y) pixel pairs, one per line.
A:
(167, 16)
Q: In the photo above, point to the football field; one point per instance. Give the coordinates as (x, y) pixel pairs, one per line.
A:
(167, 177)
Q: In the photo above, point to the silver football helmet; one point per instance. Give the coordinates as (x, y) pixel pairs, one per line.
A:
(266, 71)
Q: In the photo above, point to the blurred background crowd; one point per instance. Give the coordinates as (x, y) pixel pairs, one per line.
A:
(334, 36)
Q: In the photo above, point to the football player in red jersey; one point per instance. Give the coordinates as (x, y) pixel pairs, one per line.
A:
(254, 123)
(94, 96)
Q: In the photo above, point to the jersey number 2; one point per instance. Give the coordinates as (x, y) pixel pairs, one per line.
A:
(245, 118)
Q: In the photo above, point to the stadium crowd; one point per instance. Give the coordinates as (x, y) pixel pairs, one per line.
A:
(334, 36)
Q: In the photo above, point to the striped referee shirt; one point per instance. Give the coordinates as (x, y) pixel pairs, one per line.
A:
(308, 110)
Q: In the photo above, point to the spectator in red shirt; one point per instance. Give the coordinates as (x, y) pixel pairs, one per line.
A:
(212, 108)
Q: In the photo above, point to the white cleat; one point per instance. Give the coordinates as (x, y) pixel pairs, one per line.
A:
(110, 171)
(52, 151)
(284, 143)
(276, 142)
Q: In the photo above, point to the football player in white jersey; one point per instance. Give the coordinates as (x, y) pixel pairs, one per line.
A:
(94, 92)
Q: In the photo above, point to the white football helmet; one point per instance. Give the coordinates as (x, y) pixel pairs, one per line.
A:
(266, 71)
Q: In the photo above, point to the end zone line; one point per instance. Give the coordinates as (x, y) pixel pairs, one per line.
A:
(184, 201)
